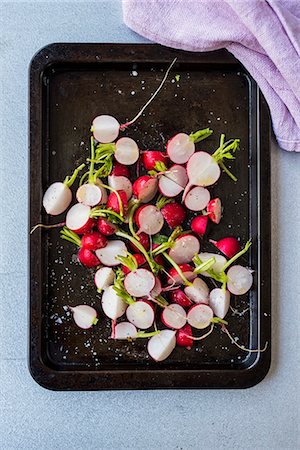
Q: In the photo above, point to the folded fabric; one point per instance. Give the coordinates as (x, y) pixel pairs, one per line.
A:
(263, 35)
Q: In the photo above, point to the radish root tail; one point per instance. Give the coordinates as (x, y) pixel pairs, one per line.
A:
(242, 347)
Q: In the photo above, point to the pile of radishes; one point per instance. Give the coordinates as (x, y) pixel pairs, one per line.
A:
(151, 277)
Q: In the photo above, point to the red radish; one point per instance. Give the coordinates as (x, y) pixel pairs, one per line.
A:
(219, 301)
(229, 246)
(140, 260)
(199, 316)
(89, 194)
(173, 181)
(214, 209)
(139, 283)
(120, 183)
(217, 266)
(93, 240)
(113, 306)
(104, 277)
(126, 151)
(151, 157)
(182, 146)
(174, 214)
(161, 345)
(105, 128)
(183, 338)
(240, 280)
(149, 219)
(113, 201)
(199, 225)
(57, 198)
(184, 249)
(140, 314)
(84, 316)
(199, 292)
(173, 316)
(88, 258)
(187, 271)
(159, 260)
(119, 170)
(144, 241)
(179, 297)
(145, 188)
(78, 219)
(157, 289)
(107, 254)
(125, 330)
(197, 198)
(106, 227)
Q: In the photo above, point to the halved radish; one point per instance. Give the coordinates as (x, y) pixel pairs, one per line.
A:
(199, 292)
(106, 227)
(120, 183)
(214, 209)
(197, 198)
(113, 306)
(104, 277)
(175, 278)
(57, 198)
(126, 151)
(145, 188)
(168, 187)
(140, 314)
(199, 316)
(178, 174)
(202, 170)
(184, 248)
(139, 283)
(217, 266)
(179, 297)
(107, 255)
(219, 301)
(173, 316)
(229, 246)
(151, 157)
(240, 280)
(78, 218)
(84, 316)
(89, 194)
(180, 148)
(125, 330)
(105, 128)
(184, 336)
(161, 345)
(149, 219)
(157, 289)
(199, 225)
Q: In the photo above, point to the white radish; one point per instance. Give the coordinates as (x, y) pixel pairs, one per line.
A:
(105, 128)
(180, 148)
(139, 283)
(184, 249)
(140, 314)
(168, 187)
(199, 292)
(202, 170)
(125, 330)
(104, 277)
(219, 301)
(107, 255)
(157, 289)
(57, 198)
(199, 316)
(126, 151)
(150, 220)
(174, 316)
(217, 266)
(89, 194)
(197, 198)
(84, 316)
(78, 218)
(240, 280)
(161, 345)
(113, 306)
(120, 183)
(178, 174)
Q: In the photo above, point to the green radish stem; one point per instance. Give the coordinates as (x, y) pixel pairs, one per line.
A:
(82, 179)
(70, 236)
(199, 338)
(179, 271)
(118, 197)
(203, 267)
(129, 261)
(226, 150)
(91, 171)
(238, 255)
(200, 135)
(143, 334)
(68, 181)
(169, 243)
(120, 289)
(102, 212)
(163, 201)
(134, 241)
(132, 210)
(47, 227)
(95, 321)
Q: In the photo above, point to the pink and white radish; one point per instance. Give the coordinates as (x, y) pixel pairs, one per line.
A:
(105, 128)
(229, 246)
(182, 146)
(126, 151)
(184, 337)
(140, 314)
(104, 277)
(78, 218)
(145, 188)
(84, 316)
(199, 316)
(157, 289)
(214, 210)
(107, 255)
(106, 227)
(161, 345)
(219, 301)
(89, 194)
(125, 330)
(197, 198)
(179, 297)
(175, 278)
(139, 283)
(199, 225)
(150, 158)
(239, 280)
(113, 306)
(120, 183)
(198, 292)
(184, 248)
(173, 181)
(173, 316)
(149, 219)
(218, 265)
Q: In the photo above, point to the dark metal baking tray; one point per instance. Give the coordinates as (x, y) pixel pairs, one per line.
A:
(69, 85)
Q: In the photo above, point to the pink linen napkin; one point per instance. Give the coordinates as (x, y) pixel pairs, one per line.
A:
(263, 34)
